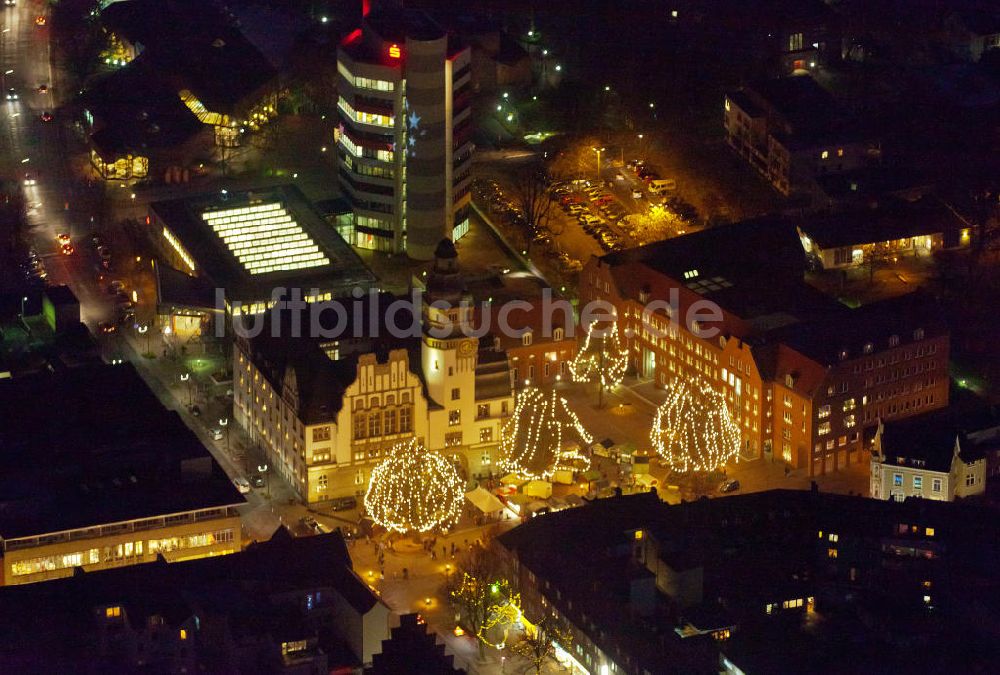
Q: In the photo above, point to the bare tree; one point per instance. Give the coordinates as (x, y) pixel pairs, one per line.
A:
(539, 646)
(875, 256)
(472, 589)
(531, 193)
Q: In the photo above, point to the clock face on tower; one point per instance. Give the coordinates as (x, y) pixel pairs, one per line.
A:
(466, 348)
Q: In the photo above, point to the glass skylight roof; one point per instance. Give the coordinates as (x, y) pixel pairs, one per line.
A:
(265, 238)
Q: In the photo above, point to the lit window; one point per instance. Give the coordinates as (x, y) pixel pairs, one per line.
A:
(111, 612)
(184, 634)
(825, 154)
(831, 552)
(930, 531)
(834, 537)
(840, 152)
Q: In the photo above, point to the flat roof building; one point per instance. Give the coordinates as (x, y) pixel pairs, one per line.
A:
(247, 244)
(288, 605)
(95, 473)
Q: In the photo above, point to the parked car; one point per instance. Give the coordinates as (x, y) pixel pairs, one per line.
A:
(241, 484)
(216, 434)
(256, 480)
(589, 219)
(660, 186)
(312, 525)
(343, 504)
(731, 485)
(107, 327)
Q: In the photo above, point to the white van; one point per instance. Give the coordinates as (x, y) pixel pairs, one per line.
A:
(661, 186)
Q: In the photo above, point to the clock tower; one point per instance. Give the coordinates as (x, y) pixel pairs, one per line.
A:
(448, 354)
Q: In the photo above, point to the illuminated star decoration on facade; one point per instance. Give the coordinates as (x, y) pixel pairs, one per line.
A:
(603, 360)
(414, 490)
(542, 436)
(693, 430)
(414, 120)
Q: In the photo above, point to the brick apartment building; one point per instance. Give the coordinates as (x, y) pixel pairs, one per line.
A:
(804, 376)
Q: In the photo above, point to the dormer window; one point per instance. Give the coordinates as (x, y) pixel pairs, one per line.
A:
(526, 339)
(789, 380)
(918, 334)
(691, 274)
(869, 348)
(893, 340)
(558, 334)
(843, 355)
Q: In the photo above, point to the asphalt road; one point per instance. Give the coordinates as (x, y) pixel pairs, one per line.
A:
(36, 153)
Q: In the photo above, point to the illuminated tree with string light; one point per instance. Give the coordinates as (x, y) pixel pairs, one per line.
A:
(414, 490)
(693, 429)
(542, 436)
(602, 358)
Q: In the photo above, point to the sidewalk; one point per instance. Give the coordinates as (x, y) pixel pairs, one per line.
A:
(258, 515)
(425, 579)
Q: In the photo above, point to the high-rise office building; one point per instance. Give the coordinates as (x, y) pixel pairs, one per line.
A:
(404, 141)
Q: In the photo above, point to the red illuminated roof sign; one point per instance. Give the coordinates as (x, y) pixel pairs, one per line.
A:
(395, 52)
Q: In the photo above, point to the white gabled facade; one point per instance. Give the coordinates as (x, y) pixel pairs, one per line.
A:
(895, 476)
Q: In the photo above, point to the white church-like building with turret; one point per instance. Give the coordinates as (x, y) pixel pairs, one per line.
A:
(325, 410)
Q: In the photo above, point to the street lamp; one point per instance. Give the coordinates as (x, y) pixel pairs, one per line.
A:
(186, 377)
(224, 423)
(262, 468)
(143, 329)
(598, 151)
(640, 145)
(24, 299)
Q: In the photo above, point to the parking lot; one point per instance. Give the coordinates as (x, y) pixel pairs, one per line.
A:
(629, 205)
